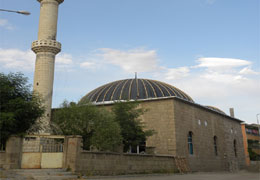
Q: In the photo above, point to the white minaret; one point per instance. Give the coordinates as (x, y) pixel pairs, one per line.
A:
(45, 48)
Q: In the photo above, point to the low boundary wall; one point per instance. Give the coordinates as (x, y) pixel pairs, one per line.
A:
(93, 163)
(107, 163)
(98, 163)
(2, 158)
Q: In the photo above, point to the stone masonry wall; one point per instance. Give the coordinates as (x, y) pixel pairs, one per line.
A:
(107, 163)
(100, 163)
(205, 124)
(233, 132)
(159, 117)
(2, 158)
(172, 119)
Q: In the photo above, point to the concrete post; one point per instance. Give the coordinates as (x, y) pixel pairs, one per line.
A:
(72, 150)
(46, 47)
(13, 153)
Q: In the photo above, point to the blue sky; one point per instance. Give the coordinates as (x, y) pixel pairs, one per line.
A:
(208, 48)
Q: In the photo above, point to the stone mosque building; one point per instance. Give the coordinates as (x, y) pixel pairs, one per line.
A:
(208, 138)
(205, 135)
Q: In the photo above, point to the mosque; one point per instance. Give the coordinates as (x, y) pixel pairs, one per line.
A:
(209, 139)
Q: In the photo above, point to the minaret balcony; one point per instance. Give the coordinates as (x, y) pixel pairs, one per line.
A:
(46, 45)
(59, 1)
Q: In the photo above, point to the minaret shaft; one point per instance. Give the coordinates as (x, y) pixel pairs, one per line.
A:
(48, 20)
(46, 47)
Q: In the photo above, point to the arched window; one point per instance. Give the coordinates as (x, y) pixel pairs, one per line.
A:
(235, 147)
(190, 145)
(215, 145)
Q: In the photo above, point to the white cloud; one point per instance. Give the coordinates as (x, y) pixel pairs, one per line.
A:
(221, 82)
(88, 65)
(223, 78)
(134, 60)
(15, 59)
(63, 58)
(19, 60)
(5, 24)
(213, 79)
(64, 62)
(177, 73)
(221, 64)
(225, 70)
(248, 71)
(224, 82)
(221, 90)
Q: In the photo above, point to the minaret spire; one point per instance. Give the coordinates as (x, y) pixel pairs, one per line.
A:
(46, 48)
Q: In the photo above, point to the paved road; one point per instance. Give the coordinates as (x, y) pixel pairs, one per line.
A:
(242, 175)
(194, 176)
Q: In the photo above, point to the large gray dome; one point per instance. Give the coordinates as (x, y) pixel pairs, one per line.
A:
(134, 89)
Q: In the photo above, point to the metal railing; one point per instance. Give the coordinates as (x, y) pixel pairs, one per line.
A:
(43, 144)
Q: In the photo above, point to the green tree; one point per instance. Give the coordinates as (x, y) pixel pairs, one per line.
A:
(96, 126)
(253, 144)
(19, 106)
(132, 129)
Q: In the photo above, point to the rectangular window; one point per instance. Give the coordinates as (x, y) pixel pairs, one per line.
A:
(190, 145)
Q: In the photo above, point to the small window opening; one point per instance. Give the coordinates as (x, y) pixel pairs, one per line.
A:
(142, 147)
(215, 145)
(235, 147)
(137, 149)
(190, 144)
(37, 84)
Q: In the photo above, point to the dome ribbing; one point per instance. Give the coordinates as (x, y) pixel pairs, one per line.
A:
(134, 89)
